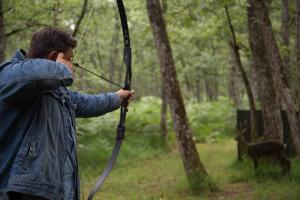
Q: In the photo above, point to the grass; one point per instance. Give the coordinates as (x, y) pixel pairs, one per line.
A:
(162, 176)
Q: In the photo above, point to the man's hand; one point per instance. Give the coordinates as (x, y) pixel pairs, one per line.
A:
(125, 94)
(63, 60)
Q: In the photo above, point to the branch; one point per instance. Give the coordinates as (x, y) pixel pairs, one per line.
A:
(7, 10)
(231, 28)
(26, 26)
(83, 11)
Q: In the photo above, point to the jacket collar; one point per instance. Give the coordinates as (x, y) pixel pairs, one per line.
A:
(20, 55)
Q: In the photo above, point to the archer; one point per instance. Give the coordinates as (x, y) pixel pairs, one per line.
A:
(37, 119)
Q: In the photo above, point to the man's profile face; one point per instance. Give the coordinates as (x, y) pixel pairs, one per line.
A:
(69, 54)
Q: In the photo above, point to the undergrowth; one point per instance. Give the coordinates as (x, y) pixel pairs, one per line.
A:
(146, 169)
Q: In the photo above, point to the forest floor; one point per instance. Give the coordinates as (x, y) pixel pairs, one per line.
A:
(162, 177)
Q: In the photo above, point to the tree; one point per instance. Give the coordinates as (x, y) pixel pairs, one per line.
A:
(237, 60)
(298, 48)
(285, 34)
(164, 102)
(194, 168)
(2, 34)
(273, 126)
(274, 61)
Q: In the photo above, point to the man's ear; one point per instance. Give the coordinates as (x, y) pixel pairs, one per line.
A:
(52, 55)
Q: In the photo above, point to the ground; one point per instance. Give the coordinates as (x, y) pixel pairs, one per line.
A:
(162, 177)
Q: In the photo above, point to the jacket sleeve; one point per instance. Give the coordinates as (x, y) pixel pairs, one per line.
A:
(88, 105)
(24, 80)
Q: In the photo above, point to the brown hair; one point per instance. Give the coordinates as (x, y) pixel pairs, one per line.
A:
(49, 39)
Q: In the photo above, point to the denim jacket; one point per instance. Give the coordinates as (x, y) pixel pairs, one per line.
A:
(36, 112)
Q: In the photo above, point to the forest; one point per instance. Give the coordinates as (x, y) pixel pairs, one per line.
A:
(217, 93)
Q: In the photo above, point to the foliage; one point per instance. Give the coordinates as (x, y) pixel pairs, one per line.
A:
(194, 25)
(211, 120)
(199, 26)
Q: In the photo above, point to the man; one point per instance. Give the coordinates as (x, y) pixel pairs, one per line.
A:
(37, 119)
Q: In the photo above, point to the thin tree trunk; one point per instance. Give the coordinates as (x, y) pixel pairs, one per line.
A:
(56, 7)
(2, 34)
(233, 84)
(164, 6)
(280, 81)
(237, 58)
(164, 102)
(187, 83)
(114, 50)
(208, 87)
(270, 106)
(198, 90)
(215, 78)
(285, 33)
(216, 85)
(80, 18)
(194, 168)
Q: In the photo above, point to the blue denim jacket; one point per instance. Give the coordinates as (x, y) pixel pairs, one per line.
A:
(36, 113)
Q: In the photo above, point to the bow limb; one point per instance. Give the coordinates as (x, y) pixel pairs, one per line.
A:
(123, 110)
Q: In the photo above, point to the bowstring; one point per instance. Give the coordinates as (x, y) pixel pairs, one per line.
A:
(84, 28)
(75, 53)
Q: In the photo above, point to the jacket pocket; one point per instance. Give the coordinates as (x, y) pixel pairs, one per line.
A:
(29, 149)
(33, 149)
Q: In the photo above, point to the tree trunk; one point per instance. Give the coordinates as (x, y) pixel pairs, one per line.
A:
(187, 82)
(298, 50)
(163, 117)
(198, 90)
(164, 103)
(266, 92)
(194, 168)
(2, 34)
(208, 86)
(114, 50)
(164, 6)
(233, 84)
(280, 81)
(80, 18)
(216, 84)
(237, 60)
(285, 33)
(56, 7)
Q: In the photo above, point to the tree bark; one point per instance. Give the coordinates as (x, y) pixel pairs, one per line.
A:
(233, 84)
(237, 60)
(2, 34)
(266, 92)
(285, 34)
(164, 102)
(194, 168)
(280, 81)
(298, 49)
(163, 117)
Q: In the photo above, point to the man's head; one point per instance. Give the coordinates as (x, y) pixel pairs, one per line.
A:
(48, 42)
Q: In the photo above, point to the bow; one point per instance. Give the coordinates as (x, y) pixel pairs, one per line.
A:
(123, 110)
